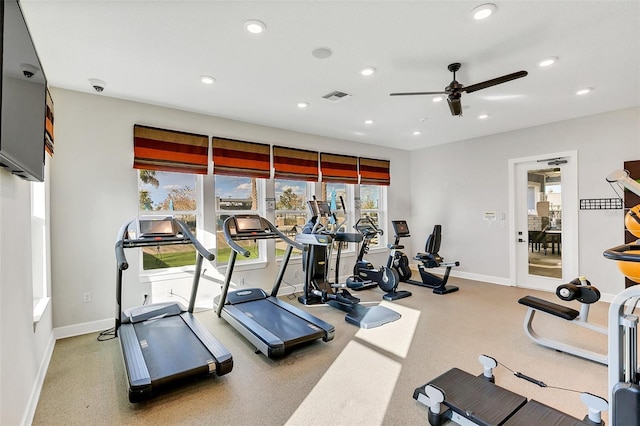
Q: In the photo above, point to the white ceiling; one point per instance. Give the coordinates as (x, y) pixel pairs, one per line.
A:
(155, 52)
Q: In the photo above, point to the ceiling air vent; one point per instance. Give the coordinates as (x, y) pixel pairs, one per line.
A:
(336, 95)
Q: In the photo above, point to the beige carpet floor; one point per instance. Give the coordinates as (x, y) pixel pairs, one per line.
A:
(362, 377)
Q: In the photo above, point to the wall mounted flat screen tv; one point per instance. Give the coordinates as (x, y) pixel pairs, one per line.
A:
(24, 87)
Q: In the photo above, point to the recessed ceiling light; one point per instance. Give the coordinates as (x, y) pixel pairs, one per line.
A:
(303, 104)
(437, 99)
(417, 132)
(366, 71)
(584, 91)
(483, 116)
(254, 26)
(368, 121)
(483, 11)
(207, 79)
(547, 62)
(322, 52)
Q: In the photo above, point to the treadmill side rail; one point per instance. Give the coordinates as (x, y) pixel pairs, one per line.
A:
(222, 357)
(139, 378)
(263, 340)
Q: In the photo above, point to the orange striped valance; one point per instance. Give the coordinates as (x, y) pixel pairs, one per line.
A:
(237, 158)
(295, 164)
(374, 172)
(48, 129)
(339, 168)
(169, 151)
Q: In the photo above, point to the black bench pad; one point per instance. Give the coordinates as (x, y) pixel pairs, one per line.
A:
(476, 398)
(549, 307)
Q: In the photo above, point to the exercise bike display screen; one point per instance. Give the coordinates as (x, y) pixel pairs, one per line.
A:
(401, 227)
(319, 208)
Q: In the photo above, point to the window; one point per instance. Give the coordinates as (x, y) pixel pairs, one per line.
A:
(236, 195)
(291, 209)
(371, 197)
(333, 193)
(168, 194)
(39, 249)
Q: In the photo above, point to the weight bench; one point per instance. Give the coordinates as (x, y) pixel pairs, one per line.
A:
(586, 295)
(476, 400)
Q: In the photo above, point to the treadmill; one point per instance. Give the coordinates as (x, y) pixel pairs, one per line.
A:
(273, 326)
(163, 344)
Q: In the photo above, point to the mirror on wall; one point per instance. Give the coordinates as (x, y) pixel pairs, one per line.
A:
(544, 213)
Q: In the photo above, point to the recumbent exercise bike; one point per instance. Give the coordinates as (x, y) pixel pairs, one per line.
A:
(430, 259)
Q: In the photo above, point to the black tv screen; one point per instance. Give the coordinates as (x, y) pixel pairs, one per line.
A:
(24, 87)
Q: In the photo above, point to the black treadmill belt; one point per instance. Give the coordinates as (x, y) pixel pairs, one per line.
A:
(288, 327)
(171, 351)
(476, 398)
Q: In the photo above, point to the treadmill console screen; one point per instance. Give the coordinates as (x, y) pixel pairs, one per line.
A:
(401, 227)
(246, 224)
(157, 227)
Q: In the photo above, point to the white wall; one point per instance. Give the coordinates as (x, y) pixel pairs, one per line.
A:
(94, 190)
(24, 353)
(454, 184)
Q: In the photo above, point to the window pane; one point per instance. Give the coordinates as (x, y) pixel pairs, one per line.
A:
(291, 210)
(332, 193)
(370, 207)
(234, 195)
(174, 194)
(369, 197)
(166, 191)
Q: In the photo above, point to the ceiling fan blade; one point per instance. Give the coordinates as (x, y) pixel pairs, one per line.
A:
(494, 81)
(455, 106)
(417, 93)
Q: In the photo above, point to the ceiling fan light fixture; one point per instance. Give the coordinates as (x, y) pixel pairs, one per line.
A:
(584, 91)
(483, 11)
(254, 26)
(547, 62)
(367, 71)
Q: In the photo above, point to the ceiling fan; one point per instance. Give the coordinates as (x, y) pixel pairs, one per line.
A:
(455, 89)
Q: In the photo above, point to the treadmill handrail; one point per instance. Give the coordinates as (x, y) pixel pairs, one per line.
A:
(274, 233)
(187, 238)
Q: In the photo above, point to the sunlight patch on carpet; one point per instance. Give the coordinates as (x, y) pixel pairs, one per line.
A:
(394, 337)
(355, 390)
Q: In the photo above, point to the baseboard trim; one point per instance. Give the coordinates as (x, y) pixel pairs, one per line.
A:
(83, 328)
(39, 382)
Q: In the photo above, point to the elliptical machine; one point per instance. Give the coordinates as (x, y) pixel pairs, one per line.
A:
(365, 273)
(318, 239)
